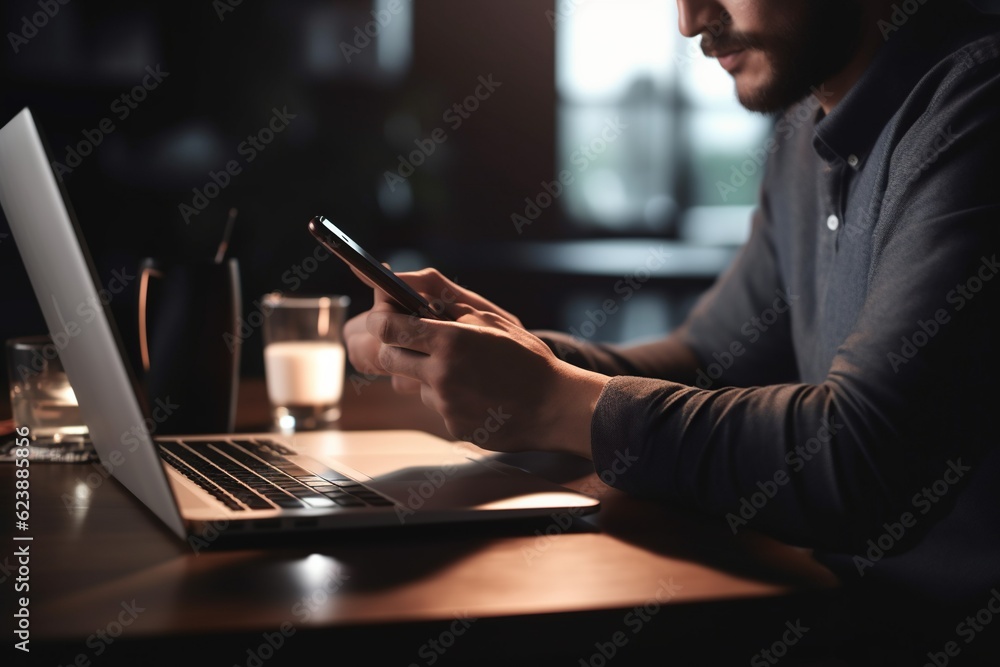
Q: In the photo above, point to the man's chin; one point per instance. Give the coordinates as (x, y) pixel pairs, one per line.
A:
(767, 97)
(758, 102)
(756, 83)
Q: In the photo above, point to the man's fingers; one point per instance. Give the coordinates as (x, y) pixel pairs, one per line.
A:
(400, 330)
(438, 288)
(400, 362)
(363, 278)
(457, 310)
(384, 303)
(430, 398)
(442, 294)
(405, 385)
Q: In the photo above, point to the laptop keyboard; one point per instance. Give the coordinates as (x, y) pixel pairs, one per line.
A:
(257, 475)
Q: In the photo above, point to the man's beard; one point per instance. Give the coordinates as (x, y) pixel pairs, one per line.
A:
(800, 55)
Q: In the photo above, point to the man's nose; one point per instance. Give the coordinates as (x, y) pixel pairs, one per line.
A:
(695, 15)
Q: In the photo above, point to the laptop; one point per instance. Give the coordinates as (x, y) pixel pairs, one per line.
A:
(249, 482)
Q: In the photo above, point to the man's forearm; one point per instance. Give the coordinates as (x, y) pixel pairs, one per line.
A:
(667, 359)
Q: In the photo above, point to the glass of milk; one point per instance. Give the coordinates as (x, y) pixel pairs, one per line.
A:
(304, 359)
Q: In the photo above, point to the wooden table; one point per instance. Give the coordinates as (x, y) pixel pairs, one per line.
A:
(661, 582)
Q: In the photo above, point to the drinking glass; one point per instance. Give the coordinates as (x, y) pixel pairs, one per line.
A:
(304, 359)
(41, 397)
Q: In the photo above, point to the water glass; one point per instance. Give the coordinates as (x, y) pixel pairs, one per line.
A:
(41, 397)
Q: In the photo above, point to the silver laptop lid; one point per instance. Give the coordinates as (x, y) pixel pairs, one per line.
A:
(77, 320)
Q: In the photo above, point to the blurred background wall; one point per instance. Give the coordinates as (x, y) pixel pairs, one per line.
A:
(539, 153)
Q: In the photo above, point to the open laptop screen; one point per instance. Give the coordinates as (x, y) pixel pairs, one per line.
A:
(62, 278)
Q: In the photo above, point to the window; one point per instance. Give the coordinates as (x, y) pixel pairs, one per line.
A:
(649, 128)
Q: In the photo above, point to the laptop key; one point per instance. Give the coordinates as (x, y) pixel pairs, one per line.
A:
(270, 444)
(202, 482)
(310, 479)
(287, 502)
(348, 501)
(227, 482)
(334, 477)
(260, 478)
(318, 502)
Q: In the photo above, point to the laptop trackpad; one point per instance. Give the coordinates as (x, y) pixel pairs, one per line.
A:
(416, 468)
(467, 484)
(434, 465)
(484, 493)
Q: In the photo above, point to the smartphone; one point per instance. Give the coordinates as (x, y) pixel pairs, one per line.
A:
(341, 245)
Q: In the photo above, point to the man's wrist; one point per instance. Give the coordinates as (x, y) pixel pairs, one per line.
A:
(575, 401)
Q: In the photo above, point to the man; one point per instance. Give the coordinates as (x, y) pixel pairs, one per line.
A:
(863, 409)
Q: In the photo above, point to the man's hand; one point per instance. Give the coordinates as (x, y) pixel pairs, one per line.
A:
(440, 292)
(493, 382)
